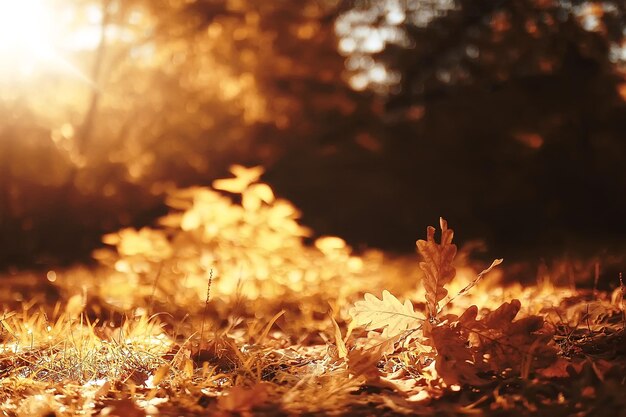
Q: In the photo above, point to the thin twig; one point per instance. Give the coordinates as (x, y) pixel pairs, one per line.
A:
(471, 285)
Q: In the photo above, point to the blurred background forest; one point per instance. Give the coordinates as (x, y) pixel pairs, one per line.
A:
(374, 117)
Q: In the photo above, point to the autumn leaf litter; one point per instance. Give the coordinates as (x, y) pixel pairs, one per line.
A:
(222, 309)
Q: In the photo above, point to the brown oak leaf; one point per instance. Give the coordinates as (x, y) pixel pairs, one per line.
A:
(437, 265)
(503, 342)
(466, 346)
(455, 360)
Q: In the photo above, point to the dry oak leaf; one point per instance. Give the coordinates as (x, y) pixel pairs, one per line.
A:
(455, 360)
(387, 313)
(466, 346)
(510, 343)
(437, 265)
(562, 368)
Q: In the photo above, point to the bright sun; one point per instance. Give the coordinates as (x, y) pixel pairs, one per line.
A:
(38, 36)
(27, 34)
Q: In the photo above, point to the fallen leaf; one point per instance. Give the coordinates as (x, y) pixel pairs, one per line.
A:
(160, 374)
(387, 313)
(455, 360)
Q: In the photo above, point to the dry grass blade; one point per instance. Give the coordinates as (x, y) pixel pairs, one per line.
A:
(206, 305)
(267, 329)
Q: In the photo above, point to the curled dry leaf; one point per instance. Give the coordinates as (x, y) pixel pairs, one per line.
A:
(387, 313)
(342, 350)
(160, 374)
(502, 317)
(437, 265)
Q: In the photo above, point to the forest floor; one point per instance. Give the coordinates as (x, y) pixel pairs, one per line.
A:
(222, 310)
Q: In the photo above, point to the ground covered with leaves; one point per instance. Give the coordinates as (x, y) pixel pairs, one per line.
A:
(224, 308)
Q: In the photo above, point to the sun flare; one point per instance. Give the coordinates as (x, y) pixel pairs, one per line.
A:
(39, 36)
(27, 33)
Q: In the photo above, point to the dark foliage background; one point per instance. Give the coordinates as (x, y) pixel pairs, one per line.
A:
(373, 117)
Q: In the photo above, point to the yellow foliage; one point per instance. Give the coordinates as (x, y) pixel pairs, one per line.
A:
(253, 244)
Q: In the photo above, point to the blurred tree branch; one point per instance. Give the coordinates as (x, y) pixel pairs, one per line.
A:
(85, 132)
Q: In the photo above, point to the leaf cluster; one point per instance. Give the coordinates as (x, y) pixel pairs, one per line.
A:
(465, 349)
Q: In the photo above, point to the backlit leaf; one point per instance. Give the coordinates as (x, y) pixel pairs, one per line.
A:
(437, 265)
(388, 313)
